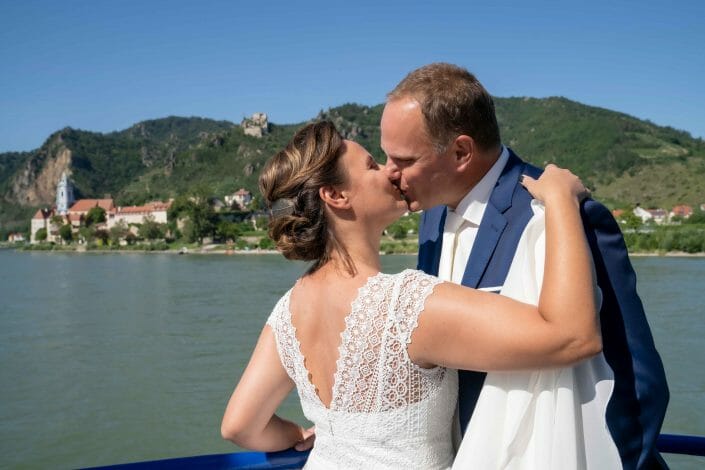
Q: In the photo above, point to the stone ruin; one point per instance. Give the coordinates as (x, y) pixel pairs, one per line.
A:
(256, 126)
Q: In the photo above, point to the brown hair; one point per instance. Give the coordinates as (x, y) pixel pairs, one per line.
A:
(308, 162)
(453, 103)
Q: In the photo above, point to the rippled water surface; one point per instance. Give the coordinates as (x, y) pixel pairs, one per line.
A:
(111, 358)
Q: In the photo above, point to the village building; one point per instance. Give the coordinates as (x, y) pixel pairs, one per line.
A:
(660, 216)
(15, 238)
(156, 210)
(42, 220)
(241, 197)
(682, 211)
(76, 213)
(657, 216)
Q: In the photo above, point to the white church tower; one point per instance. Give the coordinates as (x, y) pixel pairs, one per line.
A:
(64, 195)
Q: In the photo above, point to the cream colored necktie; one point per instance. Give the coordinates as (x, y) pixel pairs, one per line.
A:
(450, 239)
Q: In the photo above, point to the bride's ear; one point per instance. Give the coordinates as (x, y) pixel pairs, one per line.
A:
(334, 198)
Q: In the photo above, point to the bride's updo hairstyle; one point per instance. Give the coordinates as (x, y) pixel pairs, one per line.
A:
(290, 183)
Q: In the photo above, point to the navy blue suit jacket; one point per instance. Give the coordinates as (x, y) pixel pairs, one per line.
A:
(638, 404)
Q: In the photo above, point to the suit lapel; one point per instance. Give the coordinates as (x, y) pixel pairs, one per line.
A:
(432, 234)
(491, 228)
(439, 242)
(493, 222)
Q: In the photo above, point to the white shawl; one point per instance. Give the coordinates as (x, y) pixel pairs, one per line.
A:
(552, 419)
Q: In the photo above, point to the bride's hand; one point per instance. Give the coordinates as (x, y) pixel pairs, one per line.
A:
(309, 436)
(555, 182)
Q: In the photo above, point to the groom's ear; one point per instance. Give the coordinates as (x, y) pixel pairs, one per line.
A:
(334, 197)
(463, 148)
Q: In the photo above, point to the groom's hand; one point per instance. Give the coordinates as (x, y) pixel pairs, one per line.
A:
(307, 442)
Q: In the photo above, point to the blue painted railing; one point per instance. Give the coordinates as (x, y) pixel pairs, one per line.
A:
(287, 459)
(290, 459)
(680, 444)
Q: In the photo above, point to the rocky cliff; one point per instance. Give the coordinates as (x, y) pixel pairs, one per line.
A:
(35, 183)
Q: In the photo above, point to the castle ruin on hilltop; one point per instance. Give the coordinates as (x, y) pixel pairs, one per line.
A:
(256, 126)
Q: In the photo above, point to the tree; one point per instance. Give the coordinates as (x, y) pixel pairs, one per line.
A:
(86, 233)
(630, 221)
(180, 208)
(57, 221)
(66, 233)
(261, 223)
(266, 243)
(697, 217)
(96, 215)
(256, 203)
(227, 230)
(397, 231)
(41, 234)
(152, 230)
(201, 216)
(203, 219)
(118, 231)
(102, 235)
(130, 238)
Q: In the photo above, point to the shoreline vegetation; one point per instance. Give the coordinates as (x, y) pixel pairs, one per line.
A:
(220, 249)
(684, 238)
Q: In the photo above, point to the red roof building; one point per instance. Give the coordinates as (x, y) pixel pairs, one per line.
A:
(43, 214)
(82, 206)
(682, 211)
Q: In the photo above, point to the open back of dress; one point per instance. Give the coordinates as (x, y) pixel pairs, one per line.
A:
(385, 411)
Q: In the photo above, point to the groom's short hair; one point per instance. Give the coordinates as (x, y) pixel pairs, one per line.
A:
(453, 102)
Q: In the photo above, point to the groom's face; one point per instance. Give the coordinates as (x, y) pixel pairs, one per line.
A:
(413, 163)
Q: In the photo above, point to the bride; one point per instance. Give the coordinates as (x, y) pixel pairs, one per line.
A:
(374, 356)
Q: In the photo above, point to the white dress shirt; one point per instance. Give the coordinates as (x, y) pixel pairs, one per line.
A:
(458, 242)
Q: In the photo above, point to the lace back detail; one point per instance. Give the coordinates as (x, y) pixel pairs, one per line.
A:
(374, 372)
(384, 410)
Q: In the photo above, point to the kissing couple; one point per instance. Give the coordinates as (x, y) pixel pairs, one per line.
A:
(519, 342)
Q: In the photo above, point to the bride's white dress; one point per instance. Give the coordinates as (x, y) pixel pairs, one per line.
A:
(386, 412)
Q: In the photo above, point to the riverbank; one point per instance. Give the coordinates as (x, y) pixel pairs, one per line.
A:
(206, 250)
(672, 254)
(397, 249)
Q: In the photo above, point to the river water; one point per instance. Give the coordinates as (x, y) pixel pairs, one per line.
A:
(113, 358)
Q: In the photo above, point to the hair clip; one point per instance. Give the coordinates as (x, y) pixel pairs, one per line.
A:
(281, 207)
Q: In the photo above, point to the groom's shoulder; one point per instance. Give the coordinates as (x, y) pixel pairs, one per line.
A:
(593, 212)
(596, 215)
(526, 167)
(532, 170)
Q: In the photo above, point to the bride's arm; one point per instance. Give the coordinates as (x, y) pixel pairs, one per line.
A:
(468, 329)
(249, 419)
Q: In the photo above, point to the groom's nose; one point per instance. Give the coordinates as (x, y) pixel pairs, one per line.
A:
(393, 172)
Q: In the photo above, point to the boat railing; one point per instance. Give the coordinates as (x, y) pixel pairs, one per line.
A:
(291, 459)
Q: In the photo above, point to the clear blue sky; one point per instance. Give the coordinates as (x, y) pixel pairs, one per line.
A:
(105, 65)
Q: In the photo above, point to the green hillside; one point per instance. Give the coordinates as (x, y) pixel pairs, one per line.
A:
(625, 160)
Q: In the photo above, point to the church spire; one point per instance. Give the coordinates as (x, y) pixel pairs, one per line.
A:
(64, 195)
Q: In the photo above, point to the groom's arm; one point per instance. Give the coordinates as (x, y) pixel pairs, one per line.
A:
(640, 396)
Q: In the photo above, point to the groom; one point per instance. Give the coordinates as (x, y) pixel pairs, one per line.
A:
(441, 138)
